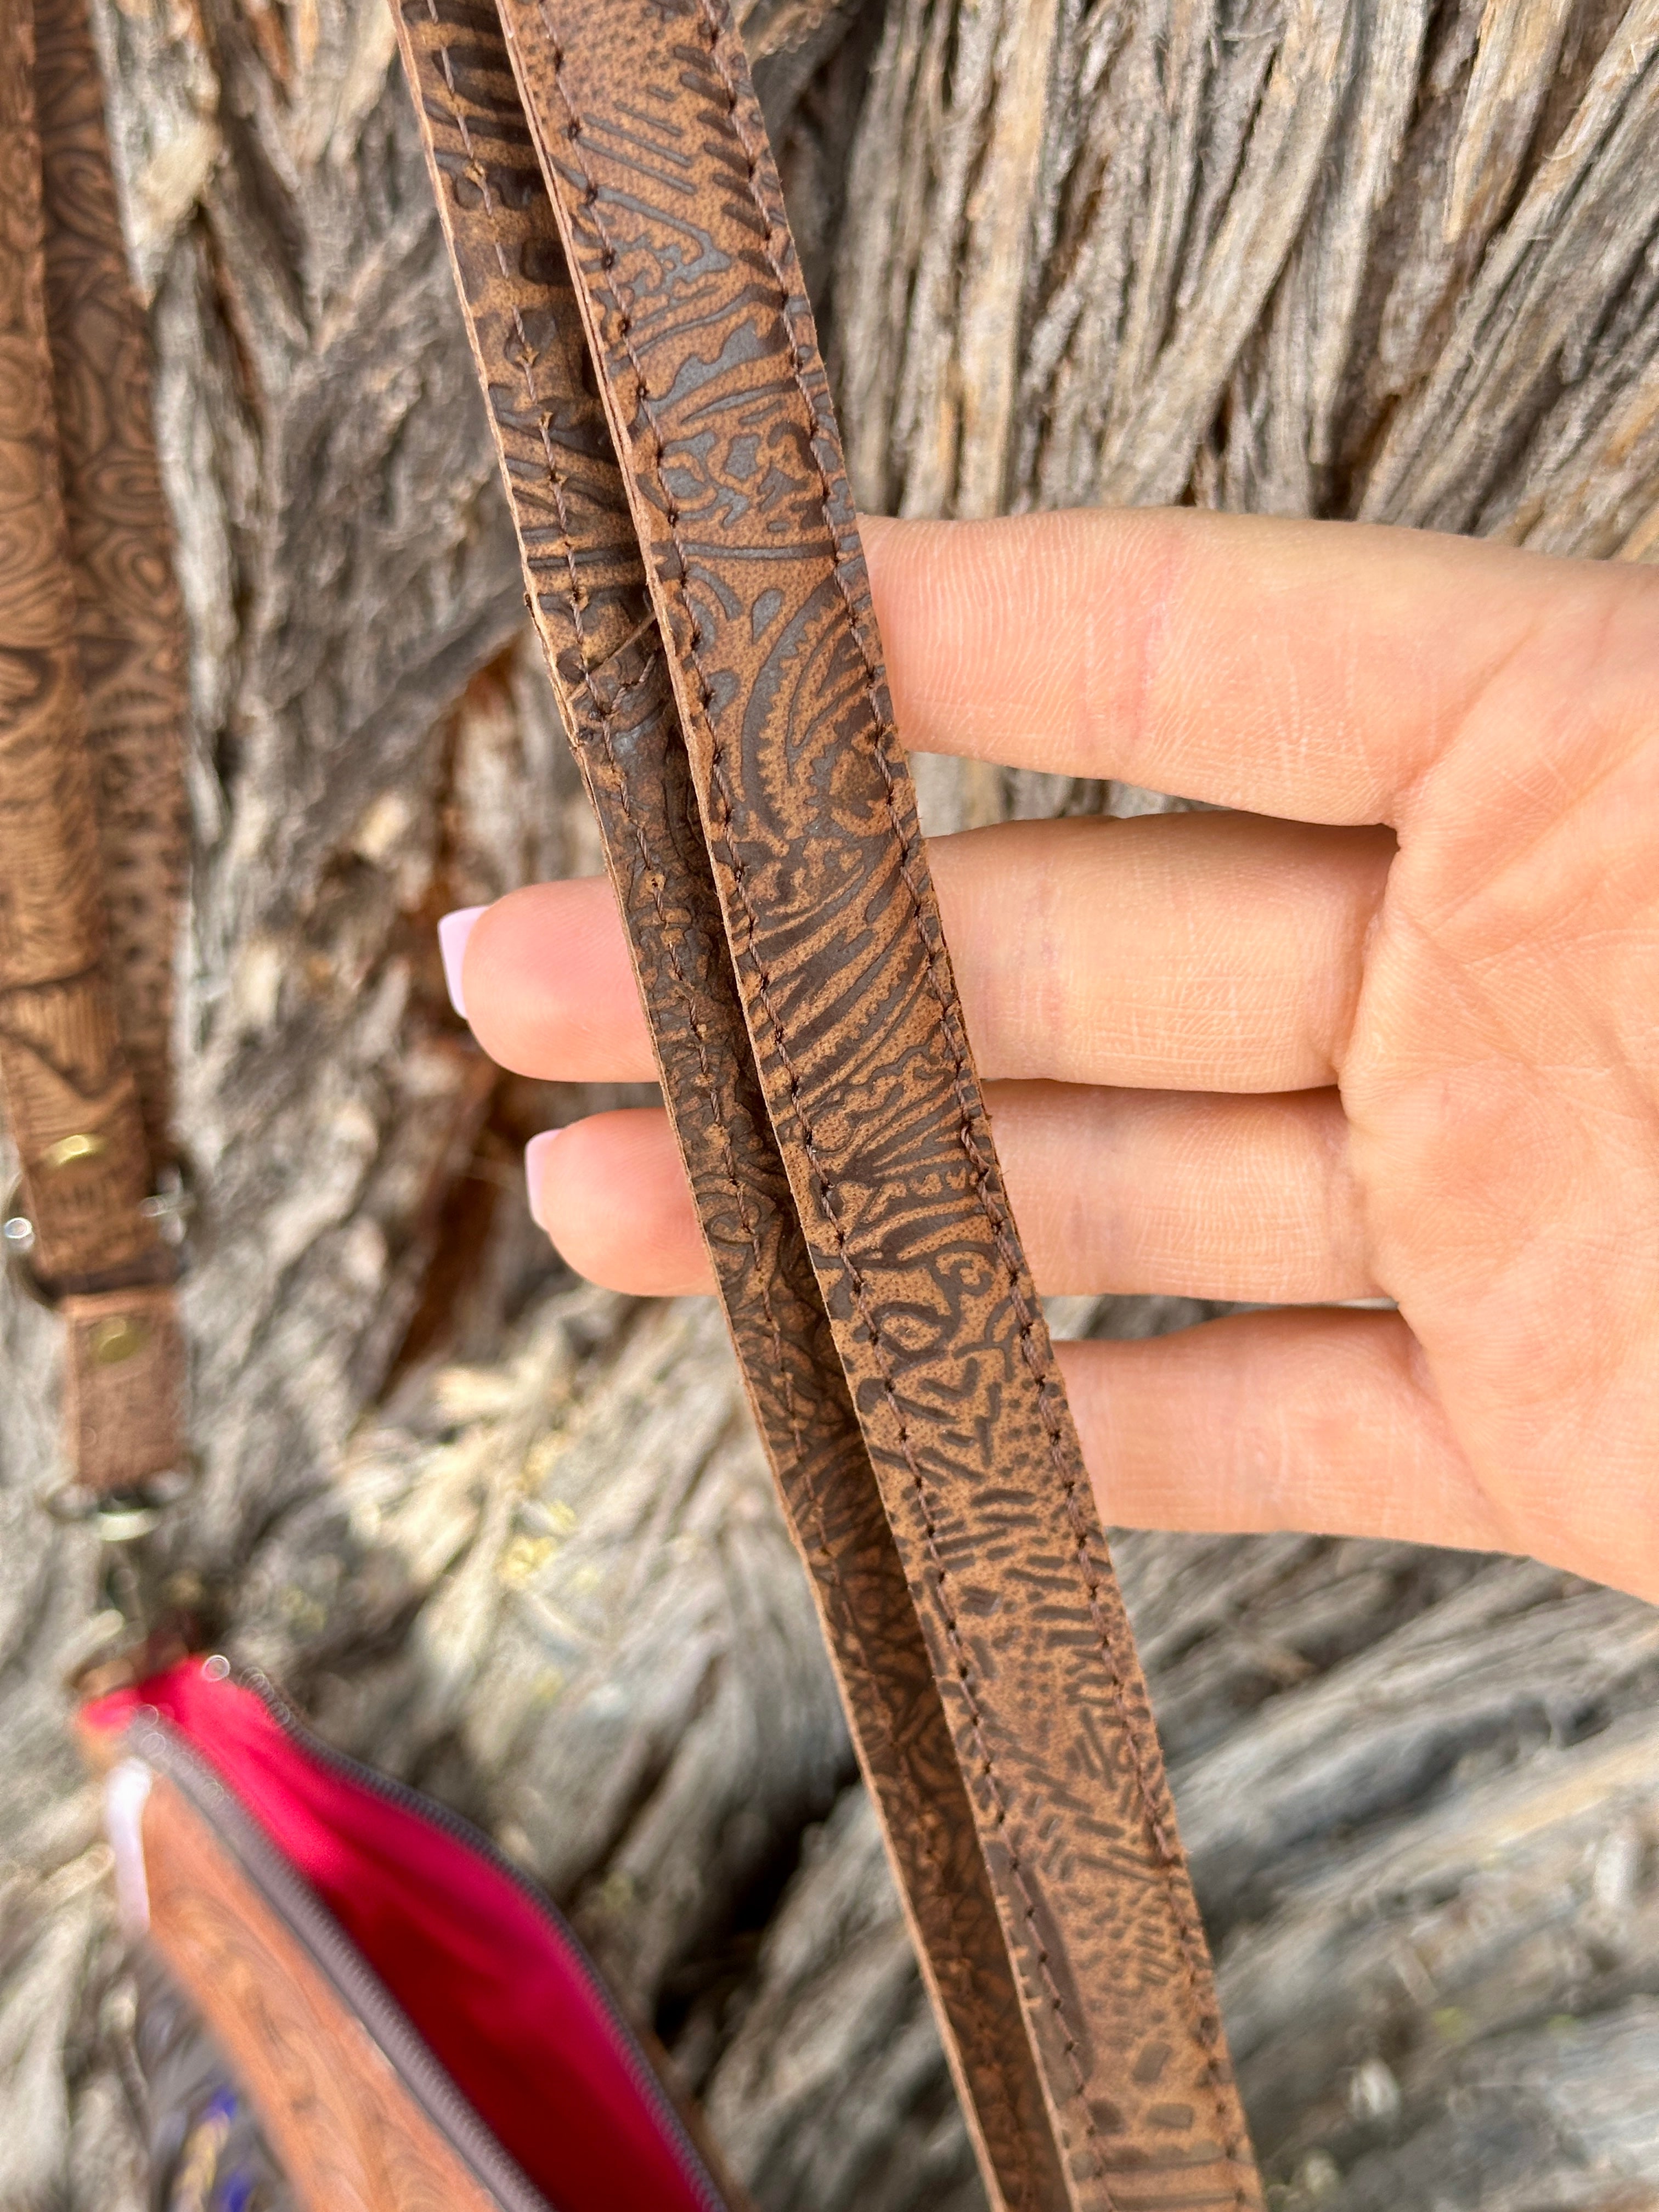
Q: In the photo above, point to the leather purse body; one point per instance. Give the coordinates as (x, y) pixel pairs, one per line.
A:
(415, 2024)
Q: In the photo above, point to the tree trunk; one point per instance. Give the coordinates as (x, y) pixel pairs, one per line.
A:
(512, 1537)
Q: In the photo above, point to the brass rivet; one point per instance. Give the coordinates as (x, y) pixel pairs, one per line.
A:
(119, 1339)
(68, 1149)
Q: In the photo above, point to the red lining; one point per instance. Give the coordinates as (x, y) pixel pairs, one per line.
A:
(499, 1996)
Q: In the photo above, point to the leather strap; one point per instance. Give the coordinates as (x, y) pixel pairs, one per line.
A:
(72, 1105)
(653, 152)
(128, 621)
(587, 589)
(124, 1387)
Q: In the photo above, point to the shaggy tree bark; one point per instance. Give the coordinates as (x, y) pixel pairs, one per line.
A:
(512, 1537)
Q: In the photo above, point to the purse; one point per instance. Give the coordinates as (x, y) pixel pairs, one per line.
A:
(413, 2023)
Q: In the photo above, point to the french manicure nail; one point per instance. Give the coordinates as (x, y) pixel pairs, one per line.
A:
(535, 1159)
(452, 933)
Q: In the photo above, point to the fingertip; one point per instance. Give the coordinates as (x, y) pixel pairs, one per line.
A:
(549, 988)
(454, 931)
(610, 1194)
(535, 1167)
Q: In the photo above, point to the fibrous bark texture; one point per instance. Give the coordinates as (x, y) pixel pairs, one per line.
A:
(512, 1537)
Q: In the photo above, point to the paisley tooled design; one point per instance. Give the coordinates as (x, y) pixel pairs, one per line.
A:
(587, 587)
(349, 2135)
(129, 619)
(61, 1063)
(653, 150)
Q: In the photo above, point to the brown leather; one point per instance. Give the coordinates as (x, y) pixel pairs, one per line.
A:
(588, 592)
(74, 1108)
(653, 152)
(129, 625)
(64, 1073)
(348, 2135)
(123, 1365)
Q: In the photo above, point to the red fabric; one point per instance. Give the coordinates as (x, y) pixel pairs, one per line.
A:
(492, 1987)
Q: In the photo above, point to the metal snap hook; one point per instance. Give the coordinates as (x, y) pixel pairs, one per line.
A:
(122, 1516)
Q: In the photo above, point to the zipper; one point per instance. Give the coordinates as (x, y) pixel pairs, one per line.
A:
(646, 2080)
(158, 1744)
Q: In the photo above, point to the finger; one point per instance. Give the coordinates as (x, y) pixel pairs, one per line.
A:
(1124, 1191)
(1310, 669)
(1182, 951)
(550, 989)
(1186, 1194)
(1175, 951)
(1320, 1421)
(610, 1192)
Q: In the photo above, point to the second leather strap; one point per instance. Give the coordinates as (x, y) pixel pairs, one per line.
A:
(653, 150)
(587, 589)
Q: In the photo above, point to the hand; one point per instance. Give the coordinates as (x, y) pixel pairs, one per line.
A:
(1402, 1041)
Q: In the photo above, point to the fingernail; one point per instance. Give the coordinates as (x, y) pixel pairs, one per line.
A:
(452, 933)
(535, 1161)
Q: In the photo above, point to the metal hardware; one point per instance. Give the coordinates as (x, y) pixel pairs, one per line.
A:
(172, 1207)
(147, 1611)
(121, 1516)
(150, 1613)
(19, 1241)
(68, 1149)
(119, 1523)
(120, 1338)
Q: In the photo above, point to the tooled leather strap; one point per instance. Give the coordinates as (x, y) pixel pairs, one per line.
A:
(588, 592)
(652, 147)
(71, 1100)
(130, 628)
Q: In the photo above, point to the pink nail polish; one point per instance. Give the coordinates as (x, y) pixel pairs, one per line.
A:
(535, 1159)
(454, 931)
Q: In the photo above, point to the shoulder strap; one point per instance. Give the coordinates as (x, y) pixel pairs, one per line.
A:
(129, 619)
(73, 348)
(592, 606)
(653, 151)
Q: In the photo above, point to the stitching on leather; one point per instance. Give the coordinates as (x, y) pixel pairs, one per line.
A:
(924, 1832)
(590, 194)
(605, 718)
(1207, 2023)
(728, 1155)
(963, 1665)
(481, 178)
(953, 1633)
(814, 1499)
(1206, 2016)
